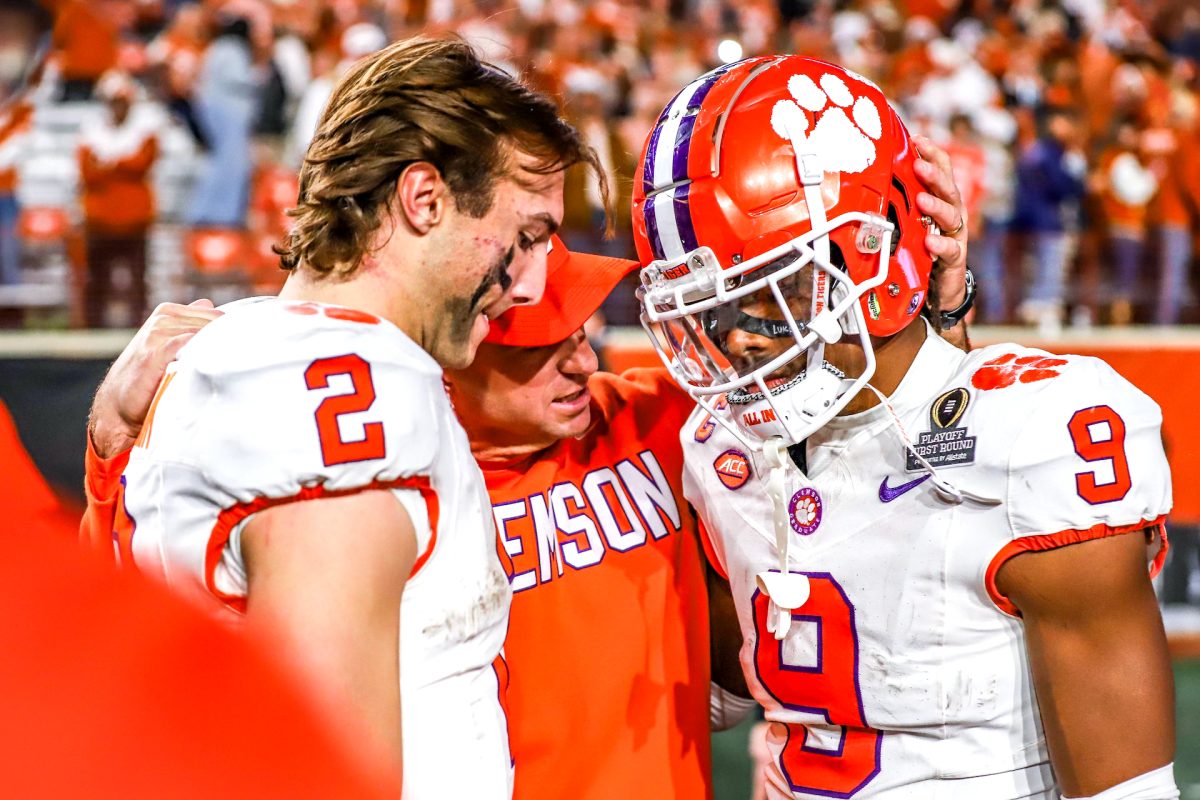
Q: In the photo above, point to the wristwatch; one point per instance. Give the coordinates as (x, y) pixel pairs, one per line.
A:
(954, 316)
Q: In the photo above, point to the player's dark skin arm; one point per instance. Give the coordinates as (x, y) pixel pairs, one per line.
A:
(1098, 652)
(725, 637)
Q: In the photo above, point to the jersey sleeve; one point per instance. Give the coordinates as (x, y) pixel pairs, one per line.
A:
(1088, 463)
(358, 424)
(101, 485)
(343, 422)
(293, 417)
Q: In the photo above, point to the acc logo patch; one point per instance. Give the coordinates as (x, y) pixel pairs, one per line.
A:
(733, 469)
(805, 511)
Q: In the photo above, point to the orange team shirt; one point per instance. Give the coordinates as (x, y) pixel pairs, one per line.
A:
(608, 659)
(970, 173)
(608, 650)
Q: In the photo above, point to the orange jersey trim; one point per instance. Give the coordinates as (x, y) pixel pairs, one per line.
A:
(431, 508)
(229, 519)
(1052, 541)
(500, 667)
(709, 551)
(143, 436)
(102, 483)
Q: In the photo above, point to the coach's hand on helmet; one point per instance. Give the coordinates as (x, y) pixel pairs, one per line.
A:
(124, 397)
(943, 204)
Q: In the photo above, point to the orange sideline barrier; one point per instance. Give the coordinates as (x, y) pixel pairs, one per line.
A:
(1161, 364)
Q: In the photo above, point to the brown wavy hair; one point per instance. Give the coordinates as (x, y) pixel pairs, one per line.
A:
(420, 99)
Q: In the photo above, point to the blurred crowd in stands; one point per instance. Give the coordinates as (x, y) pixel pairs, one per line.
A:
(149, 145)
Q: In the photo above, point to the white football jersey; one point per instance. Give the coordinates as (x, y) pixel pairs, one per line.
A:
(904, 674)
(279, 402)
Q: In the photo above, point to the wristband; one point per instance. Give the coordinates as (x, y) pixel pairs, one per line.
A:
(949, 319)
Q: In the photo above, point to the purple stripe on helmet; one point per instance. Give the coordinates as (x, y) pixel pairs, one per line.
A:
(683, 145)
(681, 149)
(684, 132)
(648, 164)
(652, 229)
(683, 218)
(707, 86)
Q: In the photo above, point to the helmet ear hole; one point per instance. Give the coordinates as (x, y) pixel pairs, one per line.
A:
(894, 218)
(836, 258)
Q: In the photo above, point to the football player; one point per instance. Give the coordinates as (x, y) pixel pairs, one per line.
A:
(300, 463)
(938, 558)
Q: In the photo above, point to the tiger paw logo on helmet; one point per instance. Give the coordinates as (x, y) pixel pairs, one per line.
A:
(844, 142)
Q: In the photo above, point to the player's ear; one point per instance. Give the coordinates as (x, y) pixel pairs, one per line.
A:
(421, 196)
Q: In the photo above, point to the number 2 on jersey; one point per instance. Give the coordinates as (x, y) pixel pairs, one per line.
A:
(1111, 449)
(335, 449)
(826, 686)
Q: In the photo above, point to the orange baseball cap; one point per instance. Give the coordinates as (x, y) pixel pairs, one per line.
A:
(576, 285)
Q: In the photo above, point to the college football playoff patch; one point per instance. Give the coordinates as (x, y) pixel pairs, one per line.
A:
(946, 443)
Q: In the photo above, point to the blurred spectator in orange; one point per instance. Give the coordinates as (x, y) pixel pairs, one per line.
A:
(116, 153)
(177, 52)
(86, 39)
(1126, 187)
(912, 62)
(1170, 144)
(275, 191)
(227, 102)
(969, 161)
(15, 121)
(1064, 87)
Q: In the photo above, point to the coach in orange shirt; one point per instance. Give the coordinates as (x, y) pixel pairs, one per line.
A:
(608, 647)
(608, 635)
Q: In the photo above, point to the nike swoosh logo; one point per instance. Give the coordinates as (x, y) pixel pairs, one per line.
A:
(889, 493)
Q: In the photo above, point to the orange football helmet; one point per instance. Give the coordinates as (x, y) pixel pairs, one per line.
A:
(781, 183)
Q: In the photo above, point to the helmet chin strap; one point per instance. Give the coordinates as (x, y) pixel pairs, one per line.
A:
(808, 165)
(786, 590)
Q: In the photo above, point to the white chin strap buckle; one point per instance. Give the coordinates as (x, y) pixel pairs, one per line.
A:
(826, 326)
(788, 591)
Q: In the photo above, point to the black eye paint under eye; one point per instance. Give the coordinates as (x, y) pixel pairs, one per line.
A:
(498, 274)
